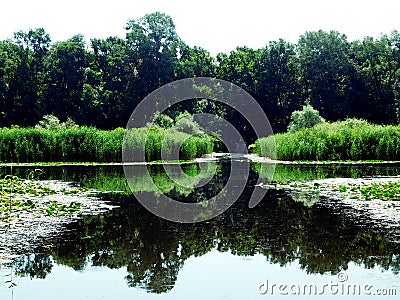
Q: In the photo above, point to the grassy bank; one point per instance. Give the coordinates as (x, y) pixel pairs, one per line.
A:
(82, 144)
(344, 140)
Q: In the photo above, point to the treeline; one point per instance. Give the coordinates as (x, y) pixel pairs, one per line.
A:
(99, 83)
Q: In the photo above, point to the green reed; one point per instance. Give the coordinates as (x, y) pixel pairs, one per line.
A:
(88, 144)
(343, 140)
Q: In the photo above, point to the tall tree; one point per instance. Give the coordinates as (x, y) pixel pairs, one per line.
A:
(195, 62)
(238, 67)
(378, 70)
(326, 68)
(9, 62)
(278, 88)
(106, 82)
(62, 88)
(32, 48)
(152, 48)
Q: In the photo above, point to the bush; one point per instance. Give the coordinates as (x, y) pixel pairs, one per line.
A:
(163, 121)
(185, 123)
(51, 122)
(306, 118)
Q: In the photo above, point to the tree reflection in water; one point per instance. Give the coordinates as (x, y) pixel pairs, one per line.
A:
(323, 239)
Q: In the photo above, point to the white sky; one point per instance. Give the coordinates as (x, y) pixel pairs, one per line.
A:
(216, 25)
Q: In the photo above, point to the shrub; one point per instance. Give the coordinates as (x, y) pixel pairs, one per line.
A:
(163, 121)
(51, 122)
(305, 118)
(185, 123)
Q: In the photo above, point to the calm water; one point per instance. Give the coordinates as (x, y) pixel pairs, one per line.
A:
(128, 253)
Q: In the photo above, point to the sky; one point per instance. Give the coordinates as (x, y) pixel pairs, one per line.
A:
(215, 25)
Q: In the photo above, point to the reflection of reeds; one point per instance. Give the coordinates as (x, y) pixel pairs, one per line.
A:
(344, 140)
(160, 182)
(285, 173)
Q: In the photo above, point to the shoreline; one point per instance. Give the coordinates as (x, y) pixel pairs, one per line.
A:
(253, 158)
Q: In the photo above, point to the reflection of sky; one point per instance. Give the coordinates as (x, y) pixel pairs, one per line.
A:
(214, 275)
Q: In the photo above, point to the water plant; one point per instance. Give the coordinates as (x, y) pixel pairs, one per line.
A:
(383, 191)
(18, 195)
(82, 144)
(351, 139)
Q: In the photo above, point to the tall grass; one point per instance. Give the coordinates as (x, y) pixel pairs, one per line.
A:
(344, 140)
(88, 144)
(185, 145)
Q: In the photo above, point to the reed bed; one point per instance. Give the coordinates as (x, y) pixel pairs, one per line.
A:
(88, 144)
(343, 140)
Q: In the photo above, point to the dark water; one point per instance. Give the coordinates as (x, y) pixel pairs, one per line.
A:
(128, 253)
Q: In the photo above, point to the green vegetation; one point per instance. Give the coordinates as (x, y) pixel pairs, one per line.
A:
(383, 191)
(357, 189)
(81, 144)
(303, 178)
(75, 144)
(343, 140)
(305, 118)
(171, 141)
(17, 195)
(99, 83)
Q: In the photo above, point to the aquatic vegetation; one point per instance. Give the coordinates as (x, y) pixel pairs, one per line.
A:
(18, 195)
(383, 191)
(356, 189)
(344, 140)
(82, 144)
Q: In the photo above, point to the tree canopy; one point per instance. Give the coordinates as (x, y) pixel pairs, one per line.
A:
(99, 83)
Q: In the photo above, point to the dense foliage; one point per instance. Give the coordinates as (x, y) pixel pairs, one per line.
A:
(84, 144)
(305, 118)
(343, 140)
(99, 83)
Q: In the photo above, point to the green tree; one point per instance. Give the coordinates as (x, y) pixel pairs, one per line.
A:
(238, 67)
(106, 82)
(278, 88)
(195, 62)
(378, 71)
(9, 62)
(62, 87)
(305, 118)
(326, 72)
(152, 48)
(32, 47)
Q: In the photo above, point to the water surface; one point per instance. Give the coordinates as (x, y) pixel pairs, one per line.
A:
(128, 253)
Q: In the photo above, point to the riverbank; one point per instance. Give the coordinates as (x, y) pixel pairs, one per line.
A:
(255, 158)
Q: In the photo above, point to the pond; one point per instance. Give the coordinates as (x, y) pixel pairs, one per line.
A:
(279, 249)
